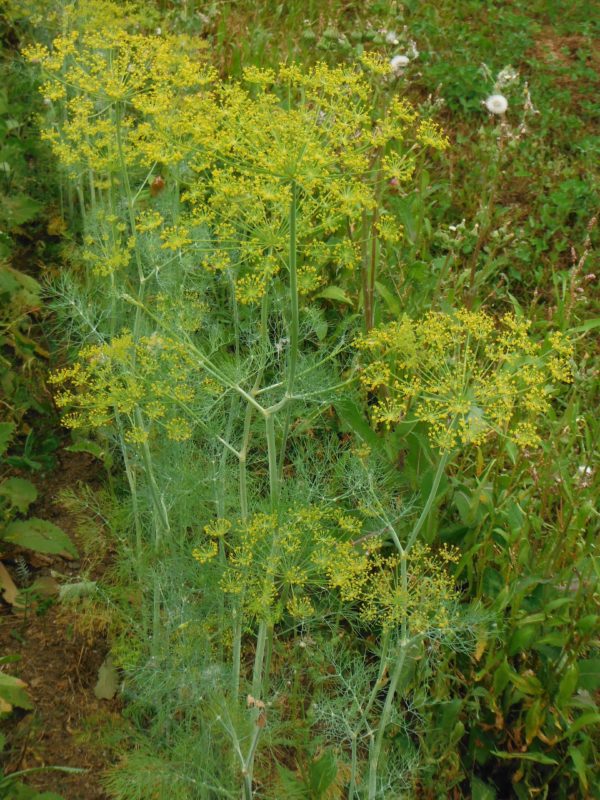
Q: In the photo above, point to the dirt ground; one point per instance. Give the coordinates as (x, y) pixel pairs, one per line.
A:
(59, 664)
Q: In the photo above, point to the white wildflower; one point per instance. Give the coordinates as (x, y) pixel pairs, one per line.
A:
(391, 37)
(496, 104)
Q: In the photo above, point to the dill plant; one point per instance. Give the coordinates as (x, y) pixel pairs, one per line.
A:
(218, 219)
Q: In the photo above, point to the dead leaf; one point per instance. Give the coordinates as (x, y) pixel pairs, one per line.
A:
(9, 590)
(108, 680)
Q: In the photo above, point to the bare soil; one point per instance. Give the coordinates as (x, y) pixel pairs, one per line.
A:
(59, 664)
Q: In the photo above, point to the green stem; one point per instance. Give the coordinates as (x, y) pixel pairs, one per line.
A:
(294, 326)
(293, 264)
(274, 486)
(383, 722)
(237, 612)
(259, 657)
(132, 224)
(430, 500)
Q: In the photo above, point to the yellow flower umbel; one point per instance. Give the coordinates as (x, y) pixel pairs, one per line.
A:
(466, 376)
(154, 376)
(276, 563)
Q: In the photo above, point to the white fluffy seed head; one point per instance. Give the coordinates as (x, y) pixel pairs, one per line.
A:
(397, 63)
(496, 104)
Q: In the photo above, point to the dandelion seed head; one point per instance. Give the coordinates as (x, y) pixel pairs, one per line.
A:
(496, 104)
(398, 63)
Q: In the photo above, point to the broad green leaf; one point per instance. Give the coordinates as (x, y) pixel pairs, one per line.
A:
(13, 693)
(527, 684)
(20, 493)
(6, 432)
(39, 535)
(21, 208)
(522, 638)
(85, 446)
(589, 674)
(482, 791)
(335, 293)
(492, 582)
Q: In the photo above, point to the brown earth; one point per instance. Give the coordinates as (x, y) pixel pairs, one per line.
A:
(58, 662)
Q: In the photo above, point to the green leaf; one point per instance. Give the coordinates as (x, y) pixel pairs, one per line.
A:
(322, 773)
(589, 674)
(20, 209)
(589, 718)
(13, 693)
(538, 758)
(568, 685)
(534, 720)
(39, 535)
(390, 299)
(522, 639)
(6, 432)
(85, 446)
(482, 791)
(335, 293)
(579, 763)
(351, 414)
(492, 582)
(587, 326)
(20, 493)
(527, 684)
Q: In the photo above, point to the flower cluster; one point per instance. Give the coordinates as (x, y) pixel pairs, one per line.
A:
(155, 376)
(232, 151)
(465, 375)
(277, 563)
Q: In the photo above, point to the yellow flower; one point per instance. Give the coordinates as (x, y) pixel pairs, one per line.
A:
(467, 377)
